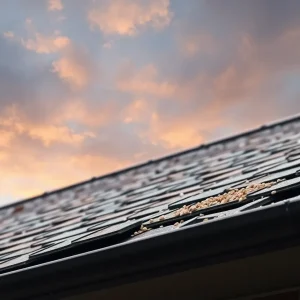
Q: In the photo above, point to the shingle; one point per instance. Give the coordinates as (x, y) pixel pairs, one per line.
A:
(198, 197)
(251, 204)
(153, 232)
(11, 243)
(285, 166)
(50, 249)
(109, 223)
(167, 217)
(234, 179)
(56, 232)
(15, 248)
(191, 182)
(26, 251)
(117, 229)
(147, 212)
(13, 263)
(269, 163)
(216, 175)
(280, 187)
(150, 195)
(273, 177)
(255, 204)
(44, 240)
(236, 172)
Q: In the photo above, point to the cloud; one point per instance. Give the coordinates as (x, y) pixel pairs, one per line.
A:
(199, 43)
(46, 44)
(64, 136)
(178, 124)
(46, 149)
(75, 67)
(229, 94)
(5, 137)
(61, 134)
(55, 5)
(9, 34)
(218, 69)
(108, 45)
(40, 43)
(89, 112)
(176, 134)
(126, 17)
(143, 81)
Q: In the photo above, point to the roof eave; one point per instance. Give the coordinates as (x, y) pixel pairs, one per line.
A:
(258, 231)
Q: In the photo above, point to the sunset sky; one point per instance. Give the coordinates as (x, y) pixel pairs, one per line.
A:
(88, 87)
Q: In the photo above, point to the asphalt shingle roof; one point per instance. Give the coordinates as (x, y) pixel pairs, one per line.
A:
(212, 181)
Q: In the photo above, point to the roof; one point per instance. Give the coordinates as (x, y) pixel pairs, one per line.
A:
(245, 179)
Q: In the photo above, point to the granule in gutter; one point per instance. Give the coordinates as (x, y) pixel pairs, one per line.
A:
(230, 196)
(141, 230)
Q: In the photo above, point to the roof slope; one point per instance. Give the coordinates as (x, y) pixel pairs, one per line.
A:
(221, 179)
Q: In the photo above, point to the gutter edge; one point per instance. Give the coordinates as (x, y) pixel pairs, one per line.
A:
(283, 213)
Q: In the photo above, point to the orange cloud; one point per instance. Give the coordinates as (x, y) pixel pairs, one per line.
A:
(52, 172)
(9, 34)
(125, 17)
(182, 135)
(40, 43)
(55, 5)
(37, 156)
(75, 68)
(107, 45)
(200, 43)
(5, 137)
(46, 44)
(144, 81)
(187, 127)
(80, 111)
(61, 134)
(70, 71)
(97, 164)
(46, 133)
(189, 130)
(138, 110)
(31, 171)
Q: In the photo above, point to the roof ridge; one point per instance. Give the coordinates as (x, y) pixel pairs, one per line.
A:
(281, 121)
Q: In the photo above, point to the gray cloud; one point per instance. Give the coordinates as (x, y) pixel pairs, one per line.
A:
(265, 19)
(122, 141)
(268, 57)
(28, 84)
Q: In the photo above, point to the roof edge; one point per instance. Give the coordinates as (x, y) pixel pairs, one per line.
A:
(169, 156)
(264, 237)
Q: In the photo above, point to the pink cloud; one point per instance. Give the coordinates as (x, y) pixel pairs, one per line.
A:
(200, 43)
(126, 17)
(40, 43)
(46, 44)
(75, 68)
(55, 5)
(9, 34)
(144, 81)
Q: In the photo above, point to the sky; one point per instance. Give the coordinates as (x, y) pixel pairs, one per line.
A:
(89, 87)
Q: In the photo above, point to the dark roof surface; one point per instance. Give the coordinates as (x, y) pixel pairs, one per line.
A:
(210, 182)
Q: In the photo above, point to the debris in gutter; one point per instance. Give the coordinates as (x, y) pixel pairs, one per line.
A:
(227, 197)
